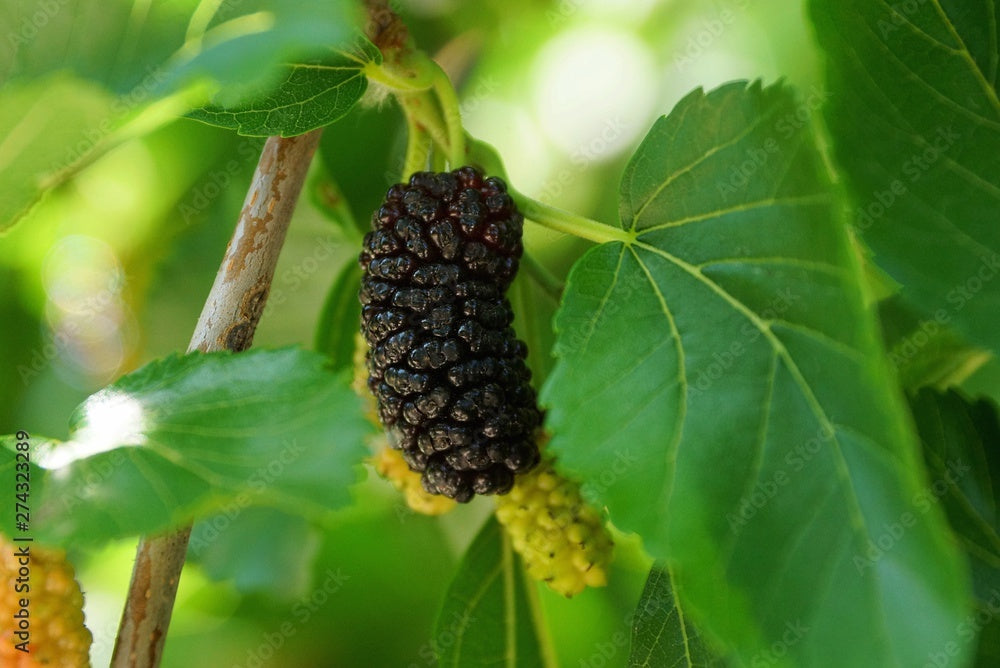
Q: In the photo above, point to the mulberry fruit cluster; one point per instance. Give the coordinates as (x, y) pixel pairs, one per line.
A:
(58, 637)
(444, 364)
(558, 534)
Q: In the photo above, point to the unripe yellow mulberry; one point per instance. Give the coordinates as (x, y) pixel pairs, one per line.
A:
(560, 537)
(58, 637)
(390, 465)
(360, 381)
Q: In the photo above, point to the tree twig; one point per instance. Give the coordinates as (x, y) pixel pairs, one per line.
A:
(228, 321)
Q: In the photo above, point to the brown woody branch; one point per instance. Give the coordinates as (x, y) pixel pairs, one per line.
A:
(228, 321)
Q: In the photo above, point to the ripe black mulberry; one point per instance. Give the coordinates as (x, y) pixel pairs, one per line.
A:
(444, 363)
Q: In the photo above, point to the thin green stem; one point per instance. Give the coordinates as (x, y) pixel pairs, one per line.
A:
(569, 223)
(437, 114)
(420, 112)
(440, 118)
(418, 146)
(438, 161)
(421, 79)
(452, 117)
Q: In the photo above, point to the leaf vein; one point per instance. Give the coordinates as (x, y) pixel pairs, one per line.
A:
(979, 75)
(748, 206)
(750, 129)
(911, 74)
(674, 446)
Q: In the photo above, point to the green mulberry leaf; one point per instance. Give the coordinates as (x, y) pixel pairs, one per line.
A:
(490, 615)
(310, 95)
(722, 389)
(187, 436)
(914, 116)
(661, 633)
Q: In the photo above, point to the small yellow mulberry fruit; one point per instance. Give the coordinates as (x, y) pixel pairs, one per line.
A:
(390, 465)
(360, 381)
(560, 537)
(57, 635)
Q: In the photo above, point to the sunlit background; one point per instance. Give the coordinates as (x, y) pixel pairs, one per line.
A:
(111, 270)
